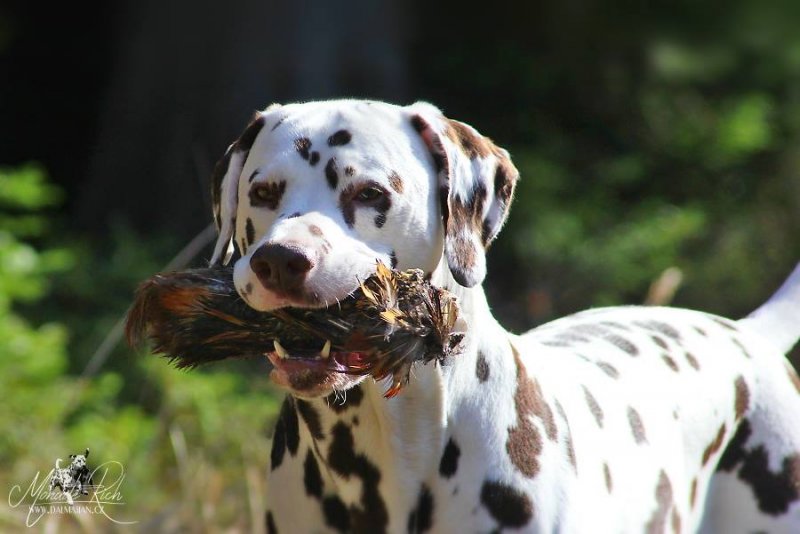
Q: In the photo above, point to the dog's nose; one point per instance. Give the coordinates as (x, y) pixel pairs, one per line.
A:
(281, 267)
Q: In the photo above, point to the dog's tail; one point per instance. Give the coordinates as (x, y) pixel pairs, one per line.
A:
(778, 319)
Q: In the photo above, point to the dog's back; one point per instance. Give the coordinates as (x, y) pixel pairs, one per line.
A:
(694, 403)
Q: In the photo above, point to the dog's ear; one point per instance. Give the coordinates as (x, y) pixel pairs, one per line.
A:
(71, 456)
(476, 184)
(225, 186)
(86, 454)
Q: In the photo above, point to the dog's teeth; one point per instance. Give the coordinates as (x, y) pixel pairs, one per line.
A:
(279, 350)
(326, 349)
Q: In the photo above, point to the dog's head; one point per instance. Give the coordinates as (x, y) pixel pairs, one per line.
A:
(313, 195)
(78, 461)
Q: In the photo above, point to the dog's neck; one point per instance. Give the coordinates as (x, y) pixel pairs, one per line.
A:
(405, 434)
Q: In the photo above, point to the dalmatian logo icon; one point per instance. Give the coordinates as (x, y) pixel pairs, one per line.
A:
(74, 479)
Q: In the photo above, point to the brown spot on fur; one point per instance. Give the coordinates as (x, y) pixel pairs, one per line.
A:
(419, 124)
(396, 182)
(311, 418)
(315, 230)
(342, 137)
(661, 328)
(735, 451)
(330, 173)
(660, 342)
(524, 446)
(372, 514)
(482, 368)
(468, 214)
(775, 491)
(524, 443)
(505, 176)
(448, 465)
(724, 323)
(692, 361)
(465, 252)
(608, 369)
(349, 399)
(435, 147)
(607, 473)
(676, 521)
(693, 493)
(346, 205)
(658, 521)
(700, 331)
(742, 401)
(465, 220)
(622, 343)
(250, 231)
(303, 145)
(670, 362)
(715, 445)
(741, 347)
(467, 140)
(312, 478)
(278, 123)
(637, 427)
(507, 505)
(594, 407)
(248, 137)
(314, 159)
(568, 438)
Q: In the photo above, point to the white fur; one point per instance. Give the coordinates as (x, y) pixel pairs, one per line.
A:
(778, 320)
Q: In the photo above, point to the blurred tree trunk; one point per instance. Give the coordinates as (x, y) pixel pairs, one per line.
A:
(189, 76)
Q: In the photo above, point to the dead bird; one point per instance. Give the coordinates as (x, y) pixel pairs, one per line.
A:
(393, 320)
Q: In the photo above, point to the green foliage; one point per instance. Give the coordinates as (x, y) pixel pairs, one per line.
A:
(32, 359)
(23, 269)
(650, 139)
(183, 438)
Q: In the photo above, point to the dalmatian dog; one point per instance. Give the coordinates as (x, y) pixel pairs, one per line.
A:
(614, 420)
(75, 477)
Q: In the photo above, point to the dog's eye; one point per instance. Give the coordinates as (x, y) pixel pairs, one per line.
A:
(267, 194)
(263, 193)
(369, 195)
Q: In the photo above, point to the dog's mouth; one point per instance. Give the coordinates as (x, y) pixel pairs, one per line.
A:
(314, 372)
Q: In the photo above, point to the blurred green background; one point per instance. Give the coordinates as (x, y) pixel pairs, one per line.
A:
(659, 148)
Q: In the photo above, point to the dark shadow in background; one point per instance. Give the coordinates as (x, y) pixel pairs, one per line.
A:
(129, 104)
